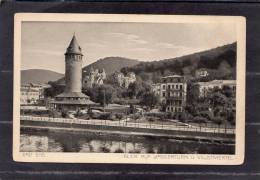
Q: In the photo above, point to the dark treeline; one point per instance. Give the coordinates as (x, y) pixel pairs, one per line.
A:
(220, 62)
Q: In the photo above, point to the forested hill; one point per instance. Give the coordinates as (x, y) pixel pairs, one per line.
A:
(221, 61)
(112, 64)
(39, 76)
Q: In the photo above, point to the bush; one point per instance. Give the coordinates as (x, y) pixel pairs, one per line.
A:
(35, 112)
(200, 119)
(105, 116)
(119, 116)
(185, 116)
(135, 116)
(218, 120)
(84, 116)
(54, 114)
(206, 114)
(119, 151)
(159, 114)
(112, 116)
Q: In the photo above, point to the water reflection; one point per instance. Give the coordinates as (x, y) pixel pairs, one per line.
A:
(58, 141)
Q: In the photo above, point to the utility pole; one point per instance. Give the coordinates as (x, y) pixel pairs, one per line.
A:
(104, 100)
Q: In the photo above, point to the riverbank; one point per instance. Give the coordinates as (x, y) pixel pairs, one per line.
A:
(119, 130)
(59, 140)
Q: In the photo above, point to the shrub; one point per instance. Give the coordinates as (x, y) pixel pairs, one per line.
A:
(185, 116)
(54, 114)
(199, 119)
(105, 116)
(84, 116)
(119, 116)
(218, 120)
(112, 116)
(135, 116)
(119, 151)
(206, 114)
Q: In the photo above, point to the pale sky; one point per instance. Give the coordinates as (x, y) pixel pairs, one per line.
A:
(44, 43)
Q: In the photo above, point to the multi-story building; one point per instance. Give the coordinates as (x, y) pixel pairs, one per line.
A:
(94, 77)
(124, 81)
(32, 93)
(172, 91)
(205, 87)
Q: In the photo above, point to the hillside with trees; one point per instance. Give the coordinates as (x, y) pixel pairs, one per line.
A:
(112, 64)
(220, 62)
(109, 64)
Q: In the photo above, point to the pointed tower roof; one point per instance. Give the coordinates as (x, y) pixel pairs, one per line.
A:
(74, 47)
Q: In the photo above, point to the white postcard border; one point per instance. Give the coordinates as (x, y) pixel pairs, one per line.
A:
(209, 159)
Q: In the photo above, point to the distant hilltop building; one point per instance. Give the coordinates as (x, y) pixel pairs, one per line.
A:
(94, 76)
(32, 93)
(124, 81)
(72, 98)
(172, 91)
(204, 87)
(202, 73)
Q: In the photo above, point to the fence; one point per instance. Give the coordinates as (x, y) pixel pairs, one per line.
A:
(125, 123)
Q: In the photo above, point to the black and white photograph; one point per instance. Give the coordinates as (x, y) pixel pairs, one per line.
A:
(129, 88)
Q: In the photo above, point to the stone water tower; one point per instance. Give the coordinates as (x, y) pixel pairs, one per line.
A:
(73, 67)
(72, 98)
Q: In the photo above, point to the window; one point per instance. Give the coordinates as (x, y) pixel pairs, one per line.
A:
(180, 86)
(163, 86)
(163, 94)
(180, 94)
(169, 86)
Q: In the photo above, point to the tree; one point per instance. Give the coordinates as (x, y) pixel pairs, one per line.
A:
(218, 120)
(149, 99)
(54, 90)
(134, 88)
(103, 94)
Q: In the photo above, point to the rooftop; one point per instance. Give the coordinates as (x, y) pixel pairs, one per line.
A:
(218, 82)
(72, 95)
(74, 47)
(172, 76)
(75, 102)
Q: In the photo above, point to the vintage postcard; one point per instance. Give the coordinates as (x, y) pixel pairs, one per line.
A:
(110, 88)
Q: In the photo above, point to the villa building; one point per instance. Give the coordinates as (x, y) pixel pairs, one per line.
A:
(94, 76)
(124, 81)
(204, 87)
(172, 91)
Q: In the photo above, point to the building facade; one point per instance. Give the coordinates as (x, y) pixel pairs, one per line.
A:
(202, 73)
(32, 93)
(172, 91)
(94, 76)
(204, 87)
(72, 98)
(124, 81)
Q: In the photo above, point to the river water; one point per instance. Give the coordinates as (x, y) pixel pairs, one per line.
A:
(63, 141)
